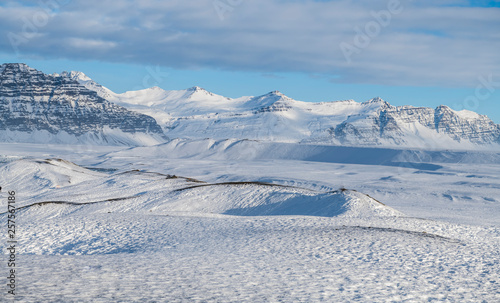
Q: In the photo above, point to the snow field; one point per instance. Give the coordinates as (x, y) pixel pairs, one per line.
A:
(134, 232)
(130, 257)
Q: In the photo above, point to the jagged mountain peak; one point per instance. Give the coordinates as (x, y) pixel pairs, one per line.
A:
(196, 89)
(278, 94)
(273, 101)
(275, 92)
(199, 94)
(199, 91)
(444, 108)
(273, 97)
(76, 75)
(464, 114)
(88, 83)
(376, 100)
(378, 103)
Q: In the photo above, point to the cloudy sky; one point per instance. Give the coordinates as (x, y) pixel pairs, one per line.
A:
(422, 53)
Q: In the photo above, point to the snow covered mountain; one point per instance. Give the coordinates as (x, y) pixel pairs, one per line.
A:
(195, 113)
(35, 107)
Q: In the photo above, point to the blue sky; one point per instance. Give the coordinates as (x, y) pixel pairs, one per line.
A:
(421, 53)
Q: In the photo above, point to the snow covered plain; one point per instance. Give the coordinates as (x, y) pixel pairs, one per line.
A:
(240, 221)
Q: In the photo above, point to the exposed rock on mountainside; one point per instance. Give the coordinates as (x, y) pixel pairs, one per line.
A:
(57, 109)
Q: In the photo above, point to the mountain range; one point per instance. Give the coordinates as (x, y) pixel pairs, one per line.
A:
(70, 107)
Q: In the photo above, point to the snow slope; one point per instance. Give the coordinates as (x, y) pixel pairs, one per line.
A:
(246, 150)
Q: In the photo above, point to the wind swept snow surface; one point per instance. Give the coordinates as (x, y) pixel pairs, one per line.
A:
(122, 234)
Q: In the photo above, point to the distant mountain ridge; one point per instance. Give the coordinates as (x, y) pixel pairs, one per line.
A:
(195, 113)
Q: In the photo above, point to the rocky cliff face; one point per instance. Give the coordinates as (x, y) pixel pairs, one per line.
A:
(56, 108)
(399, 124)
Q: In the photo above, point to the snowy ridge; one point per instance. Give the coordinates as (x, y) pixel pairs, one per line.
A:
(86, 81)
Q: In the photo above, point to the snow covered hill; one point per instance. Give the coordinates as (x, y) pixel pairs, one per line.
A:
(60, 185)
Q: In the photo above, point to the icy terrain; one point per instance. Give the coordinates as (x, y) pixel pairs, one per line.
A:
(201, 221)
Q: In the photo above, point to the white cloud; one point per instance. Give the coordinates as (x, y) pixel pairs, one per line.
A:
(91, 44)
(425, 44)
